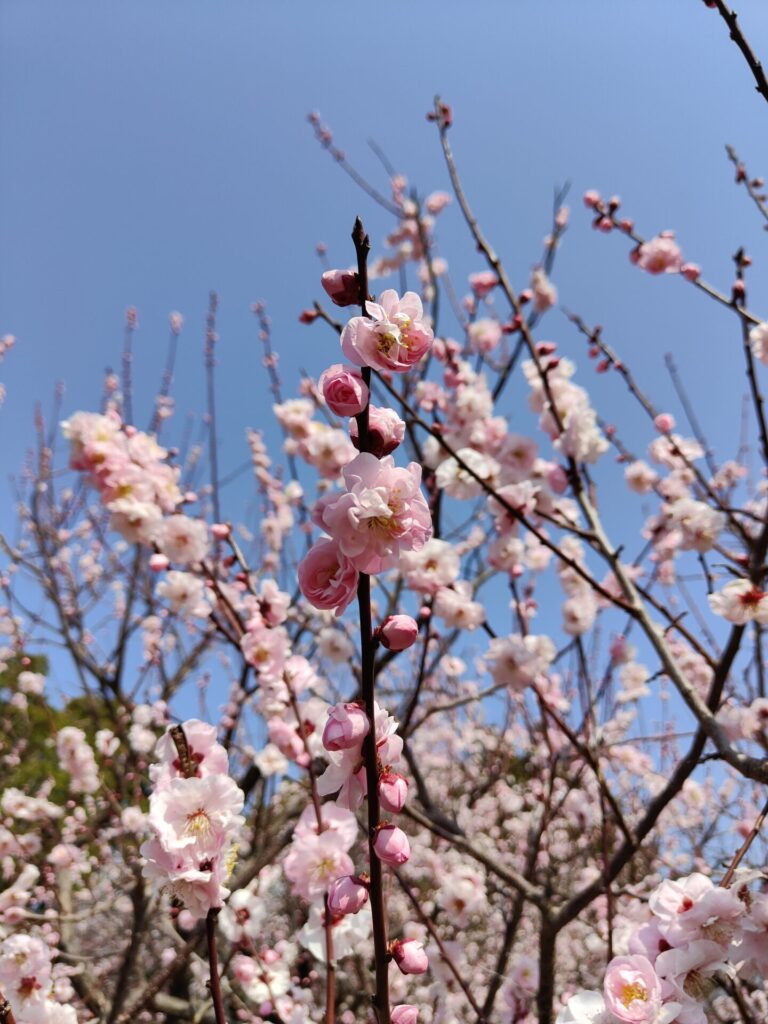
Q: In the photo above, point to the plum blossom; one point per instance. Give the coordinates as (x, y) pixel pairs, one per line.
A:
(183, 539)
(758, 342)
(740, 602)
(195, 822)
(393, 337)
(381, 514)
(517, 661)
(659, 255)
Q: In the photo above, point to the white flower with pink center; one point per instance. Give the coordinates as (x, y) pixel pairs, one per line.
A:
(740, 602)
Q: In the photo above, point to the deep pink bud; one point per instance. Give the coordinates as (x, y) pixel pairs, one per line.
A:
(341, 287)
(399, 632)
(347, 895)
(409, 956)
(664, 422)
(385, 431)
(344, 390)
(391, 845)
(691, 271)
(347, 726)
(158, 562)
(393, 791)
(308, 316)
(591, 199)
(221, 530)
(405, 1013)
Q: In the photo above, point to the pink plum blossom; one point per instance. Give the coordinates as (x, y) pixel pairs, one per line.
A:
(381, 514)
(393, 337)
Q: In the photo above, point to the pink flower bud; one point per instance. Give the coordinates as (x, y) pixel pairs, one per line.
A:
(385, 431)
(393, 791)
(399, 632)
(158, 562)
(591, 199)
(221, 530)
(344, 390)
(664, 422)
(341, 287)
(347, 726)
(391, 845)
(308, 316)
(405, 1013)
(409, 956)
(483, 283)
(691, 271)
(347, 895)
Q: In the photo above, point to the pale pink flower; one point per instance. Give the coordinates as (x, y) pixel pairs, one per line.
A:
(640, 477)
(454, 605)
(434, 566)
(436, 202)
(327, 577)
(632, 989)
(186, 594)
(194, 815)
(381, 514)
(208, 755)
(758, 342)
(315, 861)
(660, 255)
(344, 390)
(393, 337)
(740, 602)
(517, 661)
(182, 539)
(693, 908)
(483, 282)
(544, 292)
(484, 335)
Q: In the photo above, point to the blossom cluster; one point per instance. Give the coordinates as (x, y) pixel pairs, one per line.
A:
(697, 937)
(194, 816)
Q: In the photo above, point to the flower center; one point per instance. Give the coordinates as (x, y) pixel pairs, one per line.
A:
(636, 990)
(752, 598)
(198, 823)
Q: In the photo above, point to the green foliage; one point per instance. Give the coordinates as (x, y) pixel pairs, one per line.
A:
(29, 734)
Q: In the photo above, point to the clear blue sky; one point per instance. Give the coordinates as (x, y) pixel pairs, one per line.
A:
(153, 150)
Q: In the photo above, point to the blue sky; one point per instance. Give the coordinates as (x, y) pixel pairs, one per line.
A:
(155, 150)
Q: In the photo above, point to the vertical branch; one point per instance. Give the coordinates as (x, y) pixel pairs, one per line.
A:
(210, 364)
(545, 997)
(213, 962)
(368, 681)
(130, 327)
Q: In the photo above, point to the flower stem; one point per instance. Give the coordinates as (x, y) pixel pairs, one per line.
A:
(368, 681)
(213, 962)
